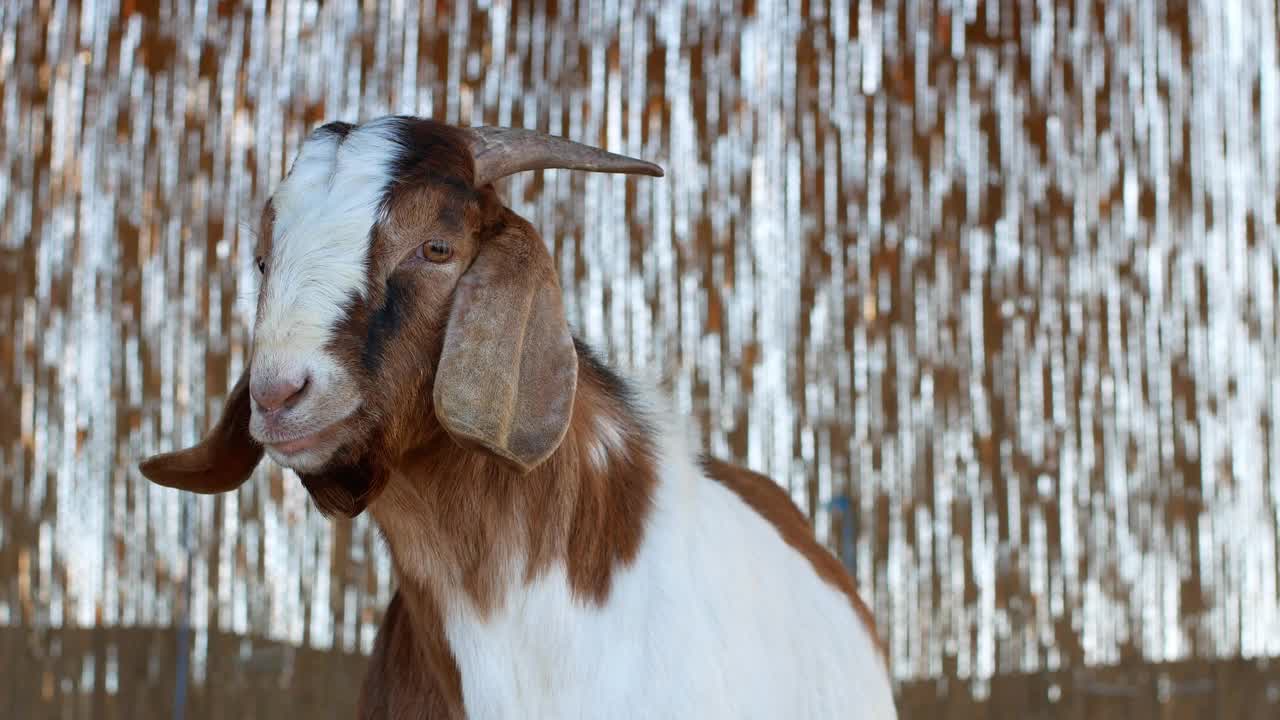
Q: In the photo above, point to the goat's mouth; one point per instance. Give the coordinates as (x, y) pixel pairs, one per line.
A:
(306, 442)
(311, 450)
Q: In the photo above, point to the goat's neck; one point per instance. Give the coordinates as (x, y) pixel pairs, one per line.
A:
(465, 529)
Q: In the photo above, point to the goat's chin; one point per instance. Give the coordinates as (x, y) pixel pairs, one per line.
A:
(312, 460)
(344, 488)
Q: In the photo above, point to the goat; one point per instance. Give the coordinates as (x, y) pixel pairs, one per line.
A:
(560, 550)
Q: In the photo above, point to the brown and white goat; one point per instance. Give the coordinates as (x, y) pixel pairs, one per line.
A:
(560, 550)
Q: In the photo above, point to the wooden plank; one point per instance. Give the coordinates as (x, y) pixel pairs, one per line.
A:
(257, 679)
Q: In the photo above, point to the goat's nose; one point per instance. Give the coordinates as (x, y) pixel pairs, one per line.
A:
(277, 393)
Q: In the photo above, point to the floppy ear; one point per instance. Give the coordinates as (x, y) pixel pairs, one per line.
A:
(508, 369)
(220, 462)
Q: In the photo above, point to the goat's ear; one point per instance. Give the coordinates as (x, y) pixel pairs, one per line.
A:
(508, 369)
(220, 462)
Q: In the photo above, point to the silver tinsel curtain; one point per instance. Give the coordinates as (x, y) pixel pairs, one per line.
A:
(991, 287)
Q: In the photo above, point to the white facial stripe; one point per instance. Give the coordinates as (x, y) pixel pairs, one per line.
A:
(324, 211)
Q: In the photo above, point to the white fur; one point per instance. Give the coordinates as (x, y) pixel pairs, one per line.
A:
(608, 439)
(324, 212)
(325, 209)
(716, 618)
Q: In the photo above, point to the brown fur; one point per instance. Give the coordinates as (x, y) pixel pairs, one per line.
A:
(771, 502)
(457, 520)
(470, 516)
(411, 675)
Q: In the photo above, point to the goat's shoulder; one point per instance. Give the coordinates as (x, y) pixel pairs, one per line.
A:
(768, 500)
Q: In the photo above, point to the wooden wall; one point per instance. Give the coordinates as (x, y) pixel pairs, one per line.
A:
(43, 677)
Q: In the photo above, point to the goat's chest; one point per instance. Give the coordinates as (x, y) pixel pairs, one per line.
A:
(716, 617)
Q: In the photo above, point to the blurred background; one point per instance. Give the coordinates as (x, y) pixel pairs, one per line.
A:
(991, 286)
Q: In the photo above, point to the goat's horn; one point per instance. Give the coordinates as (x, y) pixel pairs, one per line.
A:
(499, 152)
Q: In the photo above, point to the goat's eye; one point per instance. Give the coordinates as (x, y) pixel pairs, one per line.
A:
(436, 251)
(261, 262)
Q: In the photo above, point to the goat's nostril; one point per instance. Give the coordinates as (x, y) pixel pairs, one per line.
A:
(279, 394)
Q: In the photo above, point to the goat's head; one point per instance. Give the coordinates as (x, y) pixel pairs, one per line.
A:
(398, 294)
